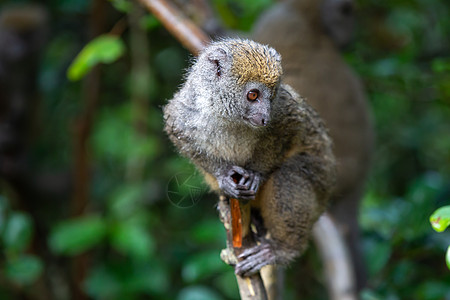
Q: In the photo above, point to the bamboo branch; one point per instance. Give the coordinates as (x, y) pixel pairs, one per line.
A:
(183, 29)
(252, 287)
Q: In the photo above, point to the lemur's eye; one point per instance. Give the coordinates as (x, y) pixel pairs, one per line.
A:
(252, 95)
(218, 68)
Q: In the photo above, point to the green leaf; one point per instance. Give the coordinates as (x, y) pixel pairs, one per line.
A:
(447, 257)
(440, 219)
(122, 5)
(203, 265)
(103, 49)
(440, 65)
(198, 292)
(114, 125)
(432, 289)
(125, 200)
(208, 231)
(226, 285)
(377, 254)
(151, 277)
(123, 279)
(23, 269)
(132, 239)
(18, 231)
(75, 236)
(102, 283)
(367, 294)
(149, 22)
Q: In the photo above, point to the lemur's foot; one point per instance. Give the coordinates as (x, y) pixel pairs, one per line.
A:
(254, 258)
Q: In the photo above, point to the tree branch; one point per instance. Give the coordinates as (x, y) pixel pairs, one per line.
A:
(183, 29)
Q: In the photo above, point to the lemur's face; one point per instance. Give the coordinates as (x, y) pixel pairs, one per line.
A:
(244, 77)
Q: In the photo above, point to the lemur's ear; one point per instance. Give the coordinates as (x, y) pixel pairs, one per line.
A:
(275, 54)
(218, 56)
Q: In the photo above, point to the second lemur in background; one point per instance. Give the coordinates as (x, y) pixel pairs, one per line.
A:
(308, 33)
(254, 138)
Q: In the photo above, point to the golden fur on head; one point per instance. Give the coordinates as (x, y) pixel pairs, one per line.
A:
(255, 62)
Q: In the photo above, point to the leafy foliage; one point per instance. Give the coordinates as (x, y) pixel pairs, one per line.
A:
(24, 269)
(105, 49)
(16, 230)
(76, 236)
(440, 219)
(17, 234)
(402, 56)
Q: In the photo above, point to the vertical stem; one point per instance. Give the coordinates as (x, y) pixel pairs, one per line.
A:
(83, 126)
(251, 287)
(140, 92)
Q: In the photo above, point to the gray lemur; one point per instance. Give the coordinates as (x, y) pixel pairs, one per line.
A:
(255, 139)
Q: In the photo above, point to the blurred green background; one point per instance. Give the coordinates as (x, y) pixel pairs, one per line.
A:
(95, 203)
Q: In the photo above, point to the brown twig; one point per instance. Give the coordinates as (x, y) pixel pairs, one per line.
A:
(190, 36)
(119, 27)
